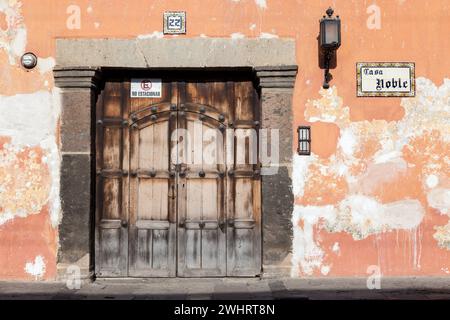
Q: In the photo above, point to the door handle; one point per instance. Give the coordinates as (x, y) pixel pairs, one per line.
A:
(231, 223)
(124, 223)
(182, 224)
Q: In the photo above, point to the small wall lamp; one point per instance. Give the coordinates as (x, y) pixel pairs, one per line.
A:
(304, 140)
(329, 42)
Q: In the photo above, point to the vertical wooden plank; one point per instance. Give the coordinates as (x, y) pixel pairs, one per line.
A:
(244, 198)
(111, 233)
(125, 157)
(244, 100)
(192, 251)
(146, 155)
(244, 233)
(160, 252)
(219, 97)
(113, 99)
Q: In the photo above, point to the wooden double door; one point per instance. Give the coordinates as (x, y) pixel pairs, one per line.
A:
(172, 199)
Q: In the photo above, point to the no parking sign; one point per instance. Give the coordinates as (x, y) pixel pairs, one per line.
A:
(146, 88)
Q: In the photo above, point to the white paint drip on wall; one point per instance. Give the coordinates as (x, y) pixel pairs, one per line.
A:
(358, 215)
(36, 268)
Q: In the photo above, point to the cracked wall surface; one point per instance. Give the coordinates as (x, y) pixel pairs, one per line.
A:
(375, 190)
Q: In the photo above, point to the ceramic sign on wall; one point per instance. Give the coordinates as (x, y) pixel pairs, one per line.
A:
(175, 22)
(385, 79)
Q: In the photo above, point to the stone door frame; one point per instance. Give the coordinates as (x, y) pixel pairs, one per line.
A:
(78, 74)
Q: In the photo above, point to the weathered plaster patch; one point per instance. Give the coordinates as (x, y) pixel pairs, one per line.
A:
(36, 268)
(347, 142)
(371, 154)
(439, 199)
(24, 182)
(442, 236)
(377, 174)
(357, 215)
(428, 111)
(46, 64)
(432, 181)
(36, 126)
(325, 270)
(237, 35)
(261, 3)
(14, 38)
(299, 173)
(336, 248)
(328, 108)
(154, 34)
(30, 179)
(266, 35)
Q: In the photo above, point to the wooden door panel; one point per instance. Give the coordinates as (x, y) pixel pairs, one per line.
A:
(111, 232)
(152, 211)
(244, 187)
(201, 234)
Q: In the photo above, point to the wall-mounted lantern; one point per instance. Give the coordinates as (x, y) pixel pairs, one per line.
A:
(329, 42)
(304, 141)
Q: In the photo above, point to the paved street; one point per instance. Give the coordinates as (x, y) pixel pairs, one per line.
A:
(232, 288)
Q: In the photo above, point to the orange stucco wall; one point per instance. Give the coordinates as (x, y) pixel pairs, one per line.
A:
(376, 190)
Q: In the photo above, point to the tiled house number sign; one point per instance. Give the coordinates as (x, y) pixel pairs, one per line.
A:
(174, 22)
(385, 79)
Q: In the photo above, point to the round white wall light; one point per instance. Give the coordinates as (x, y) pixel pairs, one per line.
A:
(29, 60)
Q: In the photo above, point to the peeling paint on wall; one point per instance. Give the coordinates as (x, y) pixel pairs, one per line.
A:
(261, 3)
(369, 156)
(14, 38)
(36, 268)
(29, 155)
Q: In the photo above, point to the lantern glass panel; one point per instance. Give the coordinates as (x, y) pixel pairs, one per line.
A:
(331, 33)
